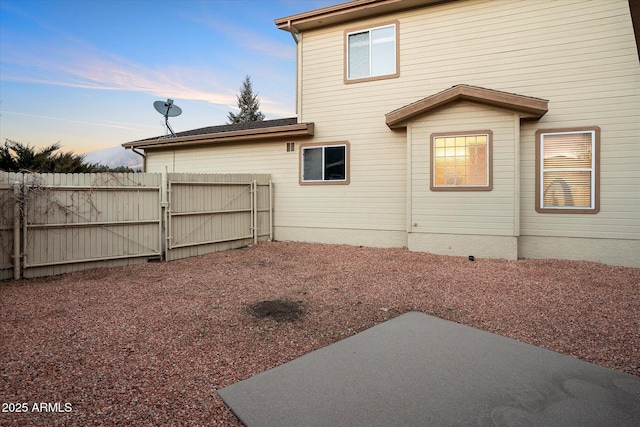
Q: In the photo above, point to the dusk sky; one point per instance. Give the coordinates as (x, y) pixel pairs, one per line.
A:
(86, 73)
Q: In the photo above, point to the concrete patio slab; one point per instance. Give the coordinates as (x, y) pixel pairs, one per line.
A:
(419, 370)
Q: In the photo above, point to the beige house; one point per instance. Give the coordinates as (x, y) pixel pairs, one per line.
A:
(493, 128)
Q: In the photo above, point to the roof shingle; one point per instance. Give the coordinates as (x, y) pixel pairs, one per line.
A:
(230, 128)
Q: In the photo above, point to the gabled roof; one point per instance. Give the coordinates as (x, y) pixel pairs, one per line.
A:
(240, 132)
(346, 12)
(529, 108)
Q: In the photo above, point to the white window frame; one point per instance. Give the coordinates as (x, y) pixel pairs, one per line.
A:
(370, 76)
(305, 147)
(488, 159)
(593, 171)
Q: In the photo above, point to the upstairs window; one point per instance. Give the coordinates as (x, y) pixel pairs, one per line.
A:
(461, 161)
(567, 177)
(371, 53)
(324, 164)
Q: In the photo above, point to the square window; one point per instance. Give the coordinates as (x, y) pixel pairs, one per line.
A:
(371, 53)
(567, 171)
(461, 161)
(324, 164)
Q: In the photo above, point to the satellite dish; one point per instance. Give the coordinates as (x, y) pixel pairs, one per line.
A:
(167, 109)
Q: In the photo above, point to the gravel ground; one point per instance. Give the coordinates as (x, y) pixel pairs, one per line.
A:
(150, 344)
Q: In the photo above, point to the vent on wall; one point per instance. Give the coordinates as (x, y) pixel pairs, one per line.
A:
(291, 147)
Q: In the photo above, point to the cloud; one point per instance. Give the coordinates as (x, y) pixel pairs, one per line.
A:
(65, 60)
(269, 47)
(93, 69)
(108, 124)
(248, 39)
(90, 68)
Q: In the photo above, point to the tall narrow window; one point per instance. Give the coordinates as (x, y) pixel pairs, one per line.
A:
(461, 161)
(324, 164)
(567, 171)
(371, 53)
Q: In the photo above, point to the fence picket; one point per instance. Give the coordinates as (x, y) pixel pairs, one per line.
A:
(68, 222)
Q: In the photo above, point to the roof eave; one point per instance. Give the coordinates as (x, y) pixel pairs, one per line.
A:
(263, 134)
(346, 12)
(529, 108)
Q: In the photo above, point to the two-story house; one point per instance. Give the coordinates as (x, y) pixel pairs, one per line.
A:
(493, 128)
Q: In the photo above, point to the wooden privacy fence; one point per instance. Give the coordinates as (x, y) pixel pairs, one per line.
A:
(56, 223)
(214, 212)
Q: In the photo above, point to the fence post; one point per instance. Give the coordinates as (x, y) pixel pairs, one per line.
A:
(25, 221)
(270, 210)
(16, 230)
(255, 212)
(164, 219)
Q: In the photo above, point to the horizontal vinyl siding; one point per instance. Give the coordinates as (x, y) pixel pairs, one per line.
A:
(377, 192)
(579, 55)
(464, 212)
(520, 46)
(322, 206)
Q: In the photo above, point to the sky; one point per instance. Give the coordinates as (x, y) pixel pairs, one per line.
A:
(85, 73)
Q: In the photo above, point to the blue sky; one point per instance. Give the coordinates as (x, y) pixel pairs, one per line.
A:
(85, 73)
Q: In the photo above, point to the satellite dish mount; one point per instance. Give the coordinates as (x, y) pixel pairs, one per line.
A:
(168, 109)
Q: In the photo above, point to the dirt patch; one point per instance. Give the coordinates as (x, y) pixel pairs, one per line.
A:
(280, 310)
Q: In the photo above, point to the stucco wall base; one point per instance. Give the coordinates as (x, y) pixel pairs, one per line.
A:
(371, 238)
(464, 245)
(607, 251)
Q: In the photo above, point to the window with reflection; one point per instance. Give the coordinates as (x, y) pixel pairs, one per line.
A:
(567, 164)
(461, 161)
(371, 53)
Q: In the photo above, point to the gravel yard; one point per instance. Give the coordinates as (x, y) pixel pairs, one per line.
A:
(150, 344)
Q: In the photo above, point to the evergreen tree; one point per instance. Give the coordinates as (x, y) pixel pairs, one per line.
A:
(18, 157)
(249, 105)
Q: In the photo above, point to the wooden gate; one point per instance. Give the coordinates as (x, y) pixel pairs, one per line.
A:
(213, 212)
